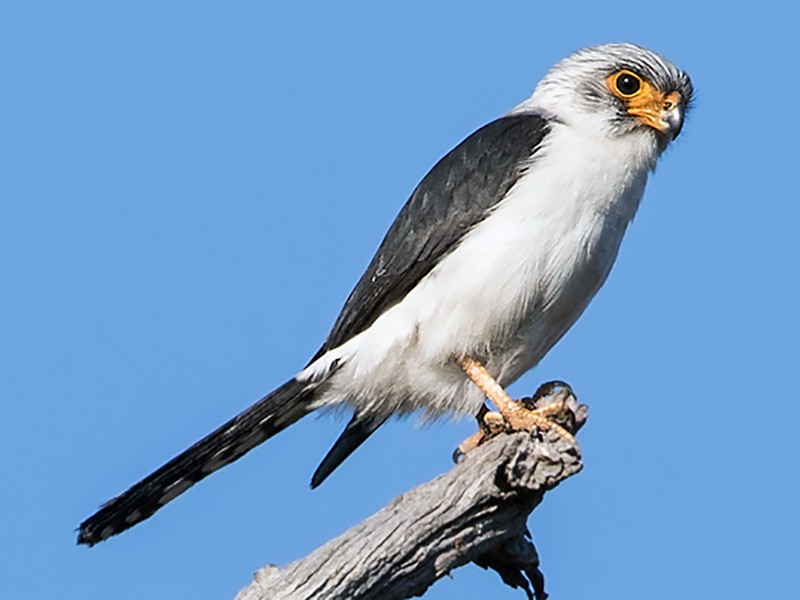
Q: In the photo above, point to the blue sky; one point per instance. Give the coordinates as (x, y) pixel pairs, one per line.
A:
(189, 192)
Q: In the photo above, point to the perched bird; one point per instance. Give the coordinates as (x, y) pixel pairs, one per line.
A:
(496, 254)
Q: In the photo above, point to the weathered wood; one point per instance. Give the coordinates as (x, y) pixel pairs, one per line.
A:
(476, 512)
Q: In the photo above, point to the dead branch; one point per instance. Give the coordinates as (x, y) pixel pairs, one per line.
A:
(476, 512)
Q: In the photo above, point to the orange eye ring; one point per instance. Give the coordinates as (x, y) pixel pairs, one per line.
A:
(627, 84)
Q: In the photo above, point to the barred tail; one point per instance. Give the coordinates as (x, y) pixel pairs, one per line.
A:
(265, 418)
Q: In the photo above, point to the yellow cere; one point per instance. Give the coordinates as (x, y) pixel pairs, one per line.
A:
(644, 101)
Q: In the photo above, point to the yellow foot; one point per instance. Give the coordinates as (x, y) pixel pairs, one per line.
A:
(490, 424)
(514, 416)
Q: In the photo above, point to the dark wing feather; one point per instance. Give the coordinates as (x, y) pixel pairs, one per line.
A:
(457, 193)
(357, 431)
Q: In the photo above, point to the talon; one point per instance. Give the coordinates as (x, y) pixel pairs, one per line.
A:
(517, 416)
(548, 393)
(468, 444)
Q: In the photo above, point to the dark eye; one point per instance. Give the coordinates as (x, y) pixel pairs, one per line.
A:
(628, 84)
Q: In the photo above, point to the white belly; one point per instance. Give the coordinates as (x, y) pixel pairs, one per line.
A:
(506, 295)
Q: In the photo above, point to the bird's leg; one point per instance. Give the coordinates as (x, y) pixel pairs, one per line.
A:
(515, 415)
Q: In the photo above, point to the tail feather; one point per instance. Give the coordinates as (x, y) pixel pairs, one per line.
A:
(357, 431)
(268, 416)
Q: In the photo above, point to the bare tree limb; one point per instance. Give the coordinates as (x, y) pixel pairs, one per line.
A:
(476, 512)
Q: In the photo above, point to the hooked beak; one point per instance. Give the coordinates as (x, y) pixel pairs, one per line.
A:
(662, 112)
(673, 120)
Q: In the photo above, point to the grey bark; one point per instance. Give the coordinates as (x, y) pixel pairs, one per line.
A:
(476, 512)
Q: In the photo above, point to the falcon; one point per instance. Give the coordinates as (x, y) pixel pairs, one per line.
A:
(495, 255)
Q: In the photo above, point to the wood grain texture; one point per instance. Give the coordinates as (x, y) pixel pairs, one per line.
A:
(476, 512)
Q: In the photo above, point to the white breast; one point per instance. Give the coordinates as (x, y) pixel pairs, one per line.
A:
(510, 290)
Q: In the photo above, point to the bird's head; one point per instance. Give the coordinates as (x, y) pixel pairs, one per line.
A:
(618, 89)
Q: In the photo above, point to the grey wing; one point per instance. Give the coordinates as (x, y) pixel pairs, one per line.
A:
(455, 195)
